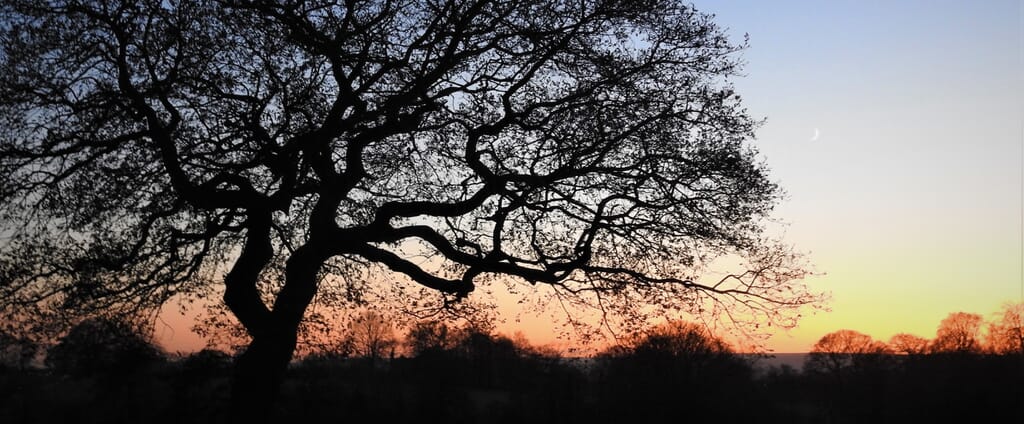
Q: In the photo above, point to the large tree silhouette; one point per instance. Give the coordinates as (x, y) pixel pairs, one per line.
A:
(594, 146)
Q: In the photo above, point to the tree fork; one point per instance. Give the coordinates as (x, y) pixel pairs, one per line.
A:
(262, 368)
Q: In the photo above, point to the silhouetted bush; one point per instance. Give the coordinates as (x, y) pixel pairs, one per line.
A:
(678, 364)
(102, 346)
(16, 352)
(206, 362)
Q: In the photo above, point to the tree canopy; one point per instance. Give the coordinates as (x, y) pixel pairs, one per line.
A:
(1006, 334)
(103, 346)
(841, 350)
(959, 332)
(280, 149)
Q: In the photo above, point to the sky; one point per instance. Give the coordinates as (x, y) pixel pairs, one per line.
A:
(896, 129)
(908, 200)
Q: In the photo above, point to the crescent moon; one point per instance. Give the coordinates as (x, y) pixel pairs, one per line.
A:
(816, 134)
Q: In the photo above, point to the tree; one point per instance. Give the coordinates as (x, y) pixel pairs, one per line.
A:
(372, 336)
(1006, 335)
(908, 344)
(16, 352)
(853, 369)
(677, 340)
(205, 363)
(103, 346)
(596, 147)
(426, 338)
(672, 350)
(676, 363)
(959, 332)
(841, 350)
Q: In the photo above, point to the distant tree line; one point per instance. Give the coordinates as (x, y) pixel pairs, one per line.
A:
(969, 372)
(958, 333)
(107, 370)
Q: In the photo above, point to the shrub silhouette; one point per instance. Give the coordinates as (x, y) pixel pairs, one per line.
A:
(677, 363)
(16, 352)
(206, 362)
(103, 346)
(430, 338)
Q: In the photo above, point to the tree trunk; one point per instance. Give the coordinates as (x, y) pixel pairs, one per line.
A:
(258, 375)
(261, 369)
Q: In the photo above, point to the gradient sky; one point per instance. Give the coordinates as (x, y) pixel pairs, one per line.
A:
(910, 198)
(909, 201)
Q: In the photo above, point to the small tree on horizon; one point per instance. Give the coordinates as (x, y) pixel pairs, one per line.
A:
(372, 336)
(1005, 334)
(430, 338)
(959, 332)
(676, 339)
(679, 364)
(16, 351)
(839, 352)
(908, 344)
(103, 346)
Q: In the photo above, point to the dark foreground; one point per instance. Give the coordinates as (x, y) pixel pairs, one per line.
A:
(501, 387)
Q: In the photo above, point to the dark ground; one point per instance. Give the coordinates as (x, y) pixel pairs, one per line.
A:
(493, 388)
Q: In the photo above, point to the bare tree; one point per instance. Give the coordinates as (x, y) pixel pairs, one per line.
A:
(372, 336)
(430, 337)
(593, 146)
(1006, 334)
(677, 340)
(676, 363)
(841, 350)
(959, 332)
(908, 344)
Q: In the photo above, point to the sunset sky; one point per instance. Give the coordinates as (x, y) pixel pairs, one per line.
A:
(896, 128)
(909, 200)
